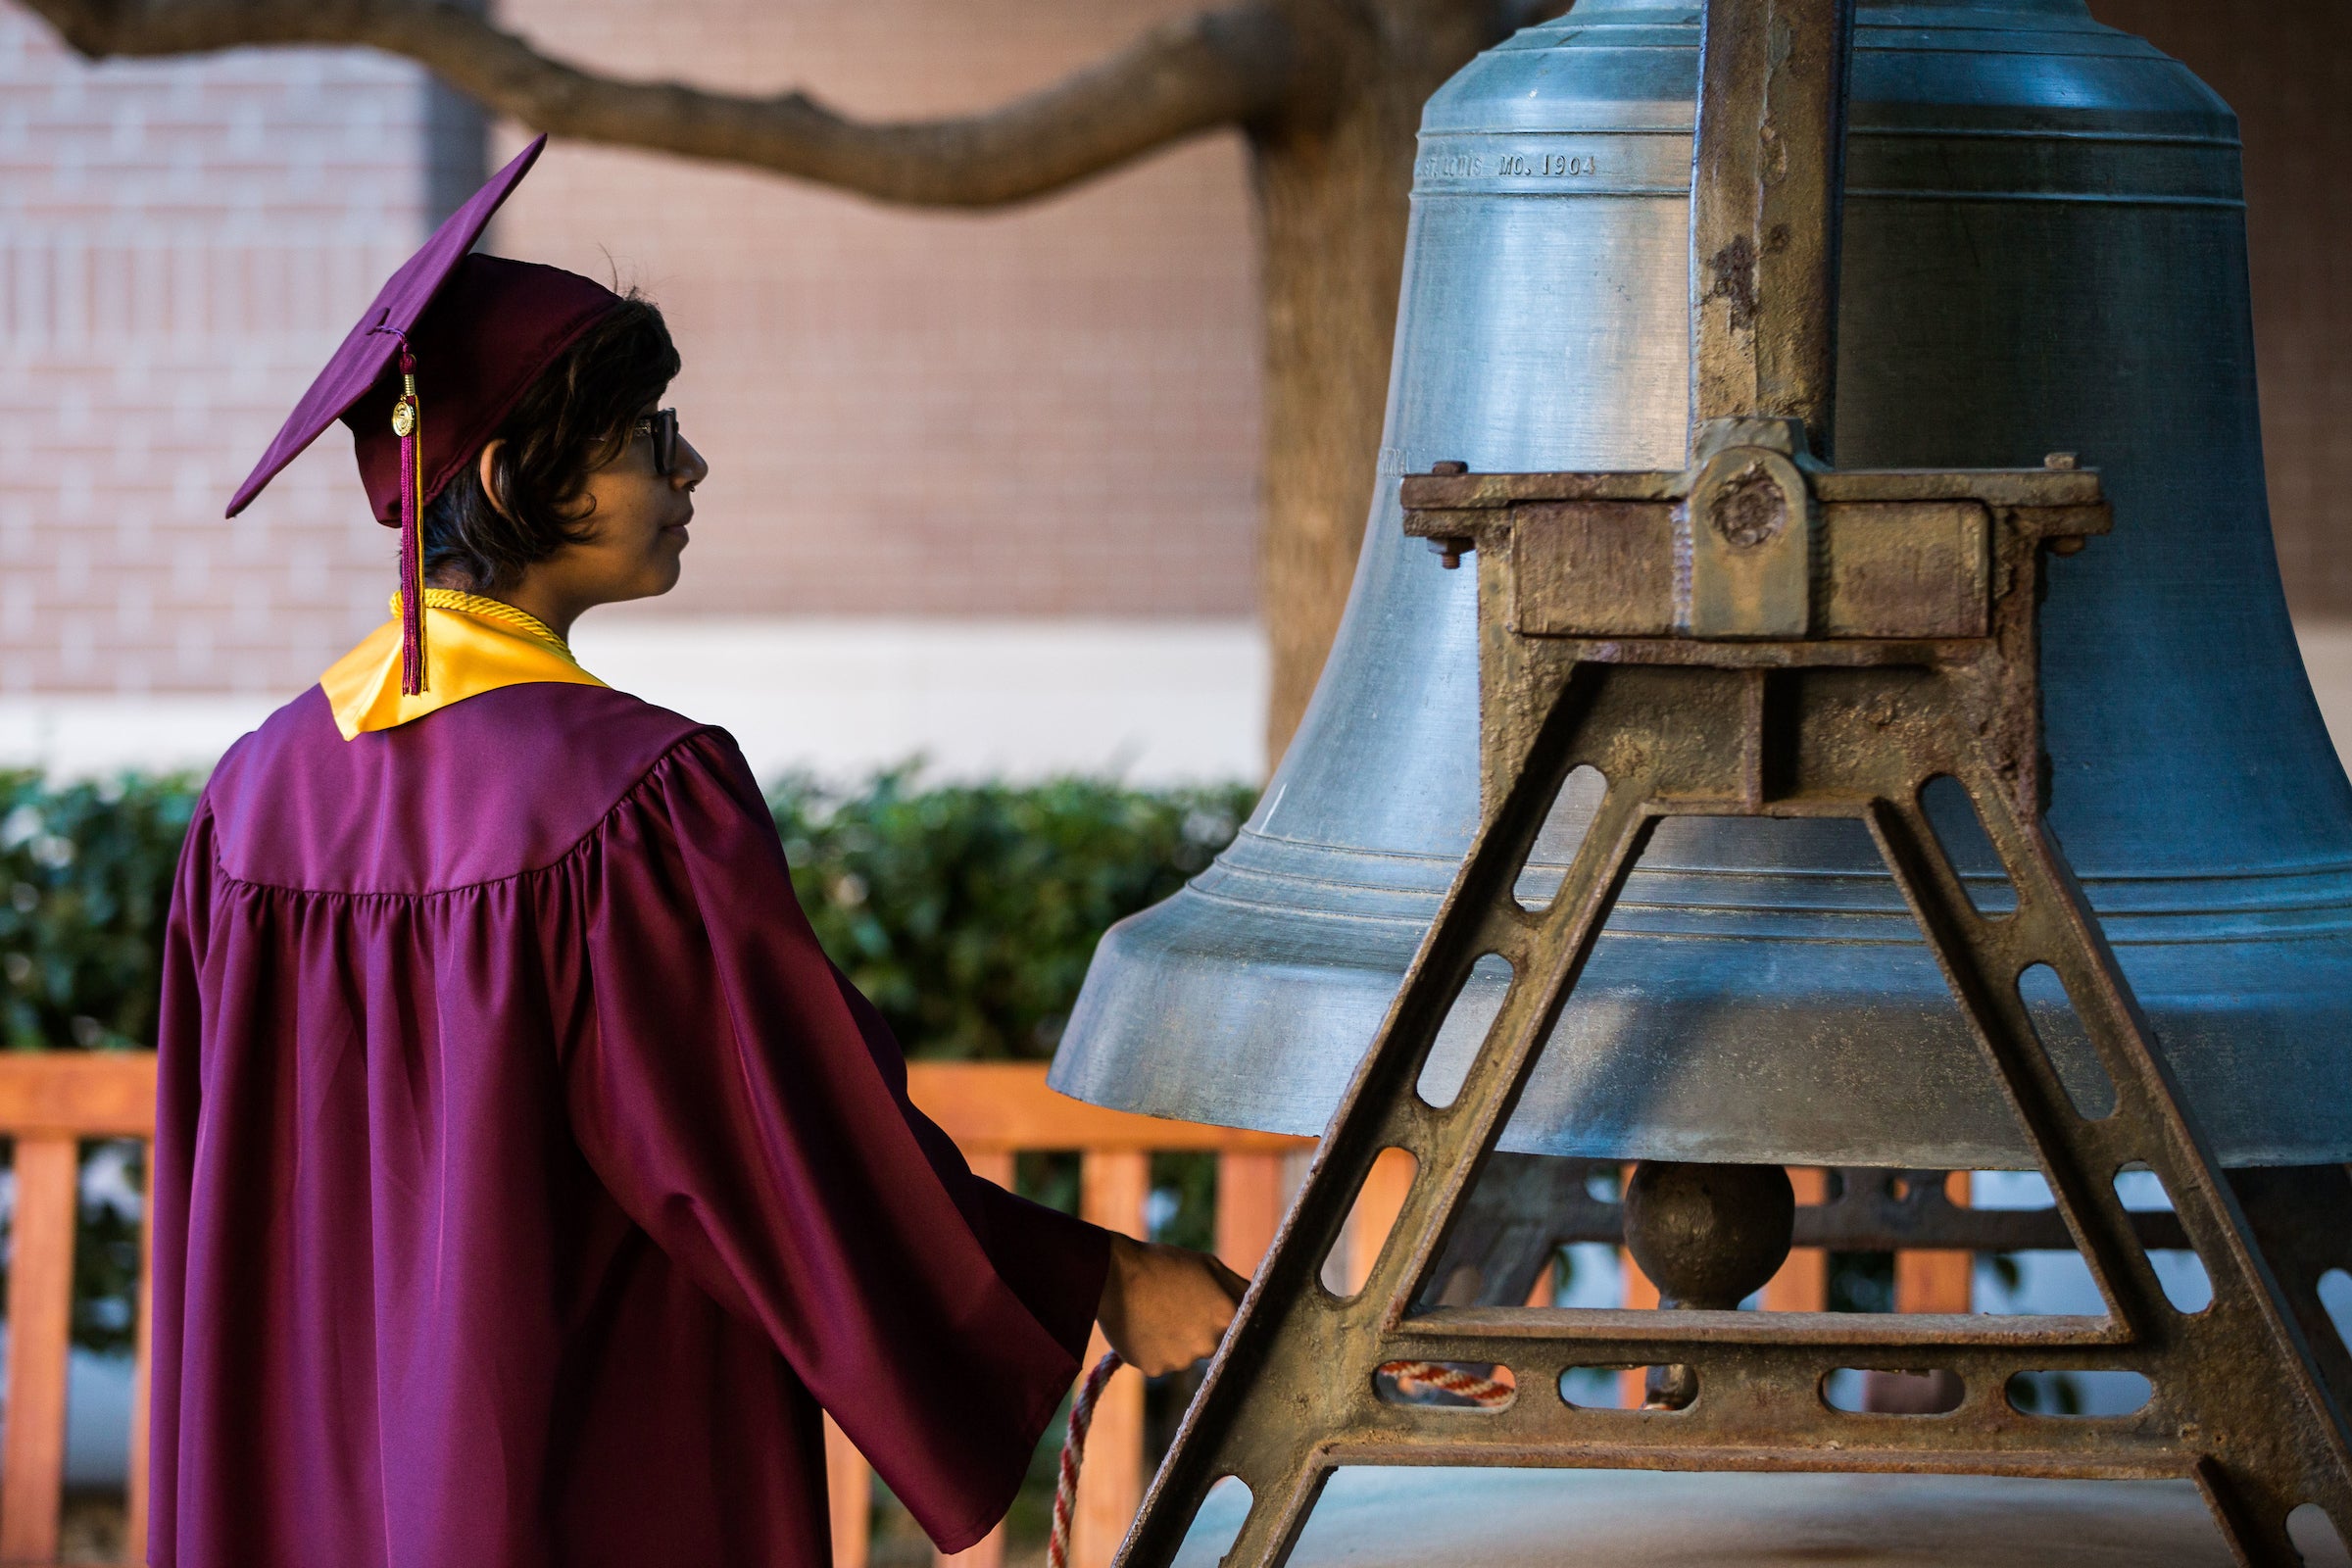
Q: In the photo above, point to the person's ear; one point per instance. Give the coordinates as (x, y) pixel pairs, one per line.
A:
(486, 470)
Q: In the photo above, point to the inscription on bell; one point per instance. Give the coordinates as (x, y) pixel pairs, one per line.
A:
(1540, 166)
(1506, 165)
(1514, 158)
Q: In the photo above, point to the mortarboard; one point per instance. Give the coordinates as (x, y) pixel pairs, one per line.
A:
(458, 334)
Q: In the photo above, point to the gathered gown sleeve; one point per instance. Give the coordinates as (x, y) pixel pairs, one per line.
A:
(171, 1162)
(749, 1108)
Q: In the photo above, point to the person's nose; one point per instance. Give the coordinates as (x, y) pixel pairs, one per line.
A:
(691, 469)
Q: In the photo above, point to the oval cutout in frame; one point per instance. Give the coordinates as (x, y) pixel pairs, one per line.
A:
(2078, 1394)
(2336, 1300)
(1469, 1386)
(2317, 1539)
(1871, 1391)
(1448, 1066)
(2050, 1009)
(1559, 838)
(1952, 817)
(1371, 1216)
(2181, 1273)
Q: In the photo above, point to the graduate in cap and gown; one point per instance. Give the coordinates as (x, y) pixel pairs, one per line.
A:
(526, 1178)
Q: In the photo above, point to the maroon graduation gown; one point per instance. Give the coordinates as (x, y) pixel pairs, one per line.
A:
(525, 1178)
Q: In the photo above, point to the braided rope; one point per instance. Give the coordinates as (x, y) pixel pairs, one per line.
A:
(1073, 1453)
(1482, 1392)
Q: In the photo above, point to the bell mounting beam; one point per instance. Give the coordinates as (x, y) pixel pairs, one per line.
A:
(1766, 183)
(1758, 635)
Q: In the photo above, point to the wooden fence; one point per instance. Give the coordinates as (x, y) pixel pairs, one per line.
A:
(994, 1110)
(50, 1103)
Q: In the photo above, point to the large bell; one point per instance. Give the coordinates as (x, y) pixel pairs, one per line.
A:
(2044, 245)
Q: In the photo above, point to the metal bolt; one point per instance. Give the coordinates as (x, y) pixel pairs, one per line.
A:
(1749, 509)
(2061, 459)
(1450, 467)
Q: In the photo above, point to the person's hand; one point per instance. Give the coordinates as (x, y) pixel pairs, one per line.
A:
(1164, 1308)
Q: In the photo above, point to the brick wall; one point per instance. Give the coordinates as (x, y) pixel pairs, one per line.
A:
(1048, 411)
(180, 245)
(1051, 411)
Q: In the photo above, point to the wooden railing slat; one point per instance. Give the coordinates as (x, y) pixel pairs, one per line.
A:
(1113, 1188)
(49, 1102)
(1249, 1207)
(987, 1552)
(1803, 1283)
(1932, 1279)
(77, 1093)
(40, 1305)
(1001, 1105)
(848, 1499)
(995, 1167)
(134, 1510)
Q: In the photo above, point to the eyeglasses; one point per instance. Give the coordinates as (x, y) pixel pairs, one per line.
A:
(662, 425)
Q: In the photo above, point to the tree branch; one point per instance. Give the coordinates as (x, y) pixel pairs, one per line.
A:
(1219, 68)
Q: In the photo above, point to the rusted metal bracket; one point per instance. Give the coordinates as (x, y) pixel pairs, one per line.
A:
(1781, 727)
(1759, 636)
(1754, 558)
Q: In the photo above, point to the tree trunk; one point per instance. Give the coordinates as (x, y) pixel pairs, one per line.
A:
(1331, 180)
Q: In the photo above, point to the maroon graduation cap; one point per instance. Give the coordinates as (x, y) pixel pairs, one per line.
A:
(451, 342)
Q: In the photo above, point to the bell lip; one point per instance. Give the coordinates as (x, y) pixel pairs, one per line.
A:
(1673, 1051)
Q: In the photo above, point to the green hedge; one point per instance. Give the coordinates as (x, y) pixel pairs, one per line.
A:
(86, 870)
(86, 881)
(968, 913)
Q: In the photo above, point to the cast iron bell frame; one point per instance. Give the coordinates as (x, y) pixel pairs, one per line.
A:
(1761, 635)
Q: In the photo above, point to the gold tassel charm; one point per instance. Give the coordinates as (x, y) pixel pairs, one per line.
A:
(407, 424)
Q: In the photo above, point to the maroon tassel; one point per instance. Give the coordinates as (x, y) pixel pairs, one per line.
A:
(405, 424)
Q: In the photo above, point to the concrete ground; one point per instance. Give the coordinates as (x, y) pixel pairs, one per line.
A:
(1372, 1518)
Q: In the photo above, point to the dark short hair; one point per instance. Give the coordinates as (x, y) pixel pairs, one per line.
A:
(572, 421)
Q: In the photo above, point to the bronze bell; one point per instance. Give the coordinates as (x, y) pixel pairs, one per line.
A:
(2043, 245)
(1771, 643)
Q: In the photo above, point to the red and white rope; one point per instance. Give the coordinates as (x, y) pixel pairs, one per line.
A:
(1485, 1391)
(1073, 1454)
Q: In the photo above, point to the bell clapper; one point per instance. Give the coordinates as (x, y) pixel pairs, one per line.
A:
(1708, 1237)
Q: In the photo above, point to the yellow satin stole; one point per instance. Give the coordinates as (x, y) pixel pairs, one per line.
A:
(472, 645)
